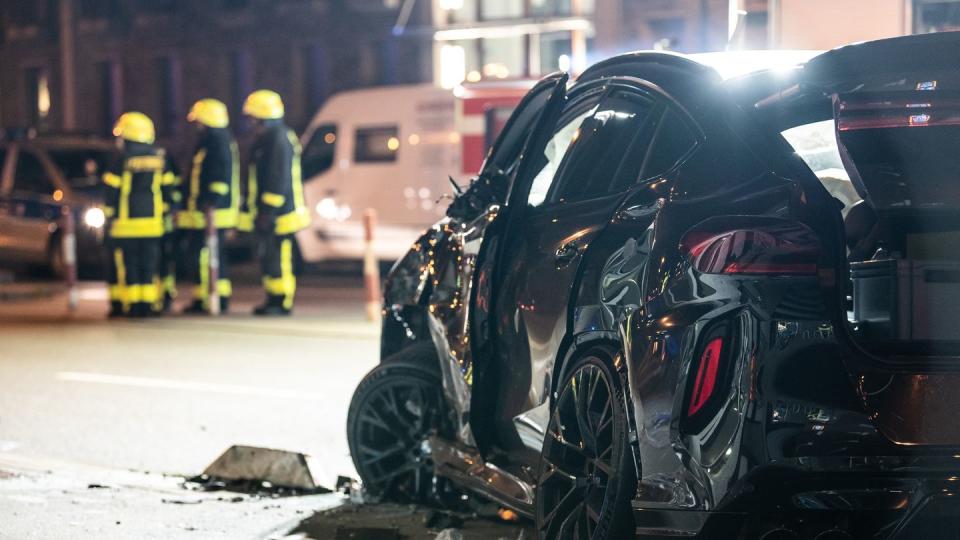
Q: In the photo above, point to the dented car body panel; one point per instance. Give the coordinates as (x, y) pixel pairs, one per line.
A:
(720, 283)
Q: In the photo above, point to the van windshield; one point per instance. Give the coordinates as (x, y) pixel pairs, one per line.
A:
(319, 154)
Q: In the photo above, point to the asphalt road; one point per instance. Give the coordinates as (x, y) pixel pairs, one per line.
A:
(134, 405)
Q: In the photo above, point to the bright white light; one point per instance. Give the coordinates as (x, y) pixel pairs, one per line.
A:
(94, 218)
(424, 193)
(453, 65)
(563, 62)
(327, 208)
(451, 5)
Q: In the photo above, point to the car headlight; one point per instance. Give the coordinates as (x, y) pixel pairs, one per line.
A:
(94, 218)
(328, 209)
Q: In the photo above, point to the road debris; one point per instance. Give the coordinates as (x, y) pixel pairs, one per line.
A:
(262, 472)
(410, 522)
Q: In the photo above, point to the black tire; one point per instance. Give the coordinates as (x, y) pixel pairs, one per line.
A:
(586, 478)
(394, 409)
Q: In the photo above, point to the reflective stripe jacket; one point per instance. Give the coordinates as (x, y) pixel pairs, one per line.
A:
(275, 179)
(135, 189)
(214, 180)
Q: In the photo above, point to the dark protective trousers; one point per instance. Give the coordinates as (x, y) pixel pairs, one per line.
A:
(169, 249)
(277, 268)
(133, 280)
(198, 265)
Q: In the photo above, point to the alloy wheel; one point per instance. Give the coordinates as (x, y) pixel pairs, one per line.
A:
(580, 457)
(390, 430)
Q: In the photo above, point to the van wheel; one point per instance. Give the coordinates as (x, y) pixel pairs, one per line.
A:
(394, 410)
(586, 478)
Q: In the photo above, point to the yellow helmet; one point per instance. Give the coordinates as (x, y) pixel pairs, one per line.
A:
(264, 104)
(209, 112)
(135, 126)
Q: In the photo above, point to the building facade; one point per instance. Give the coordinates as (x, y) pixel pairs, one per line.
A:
(75, 65)
(491, 39)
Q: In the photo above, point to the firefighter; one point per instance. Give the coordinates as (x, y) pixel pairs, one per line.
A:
(214, 182)
(277, 190)
(133, 200)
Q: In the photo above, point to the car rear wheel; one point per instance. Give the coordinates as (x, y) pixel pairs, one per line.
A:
(586, 477)
(394, 410)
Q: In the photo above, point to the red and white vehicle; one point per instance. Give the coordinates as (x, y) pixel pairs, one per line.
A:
(394, 149)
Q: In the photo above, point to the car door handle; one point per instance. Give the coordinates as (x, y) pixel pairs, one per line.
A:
(567, 253)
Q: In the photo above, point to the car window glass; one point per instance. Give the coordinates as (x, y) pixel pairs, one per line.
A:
(554, 152)
(82, 167)
(590, 166)
(816, 144)
(30, 176)
(319, 153)
(672, 142)
(376, 144)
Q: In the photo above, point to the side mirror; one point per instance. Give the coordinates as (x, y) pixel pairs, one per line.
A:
(752, 245)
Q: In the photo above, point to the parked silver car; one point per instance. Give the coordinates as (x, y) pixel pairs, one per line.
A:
(41, 178)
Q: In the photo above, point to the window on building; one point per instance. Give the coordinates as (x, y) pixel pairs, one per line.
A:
(168, 74)
(548, 8)
(30, 176)
(504, 57)
(29, 12)
(501, 9)
(460, 11)
(936, 16)
(315, 76)
(38, 95)
(110, 92)
(158, 7)
(241, 84)
(376, 144)
(669, 34)
(556, 51)
(98, 9)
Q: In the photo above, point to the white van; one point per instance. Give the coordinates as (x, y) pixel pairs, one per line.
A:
(394, 149)
(390, 149)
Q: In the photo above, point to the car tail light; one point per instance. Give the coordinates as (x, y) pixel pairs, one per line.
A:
(706, 379)
(766, 247)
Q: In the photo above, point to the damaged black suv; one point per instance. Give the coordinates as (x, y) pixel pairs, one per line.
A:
(674, 303)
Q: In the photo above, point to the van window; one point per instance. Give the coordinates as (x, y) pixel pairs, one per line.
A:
(376, 144)
(319, 153)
